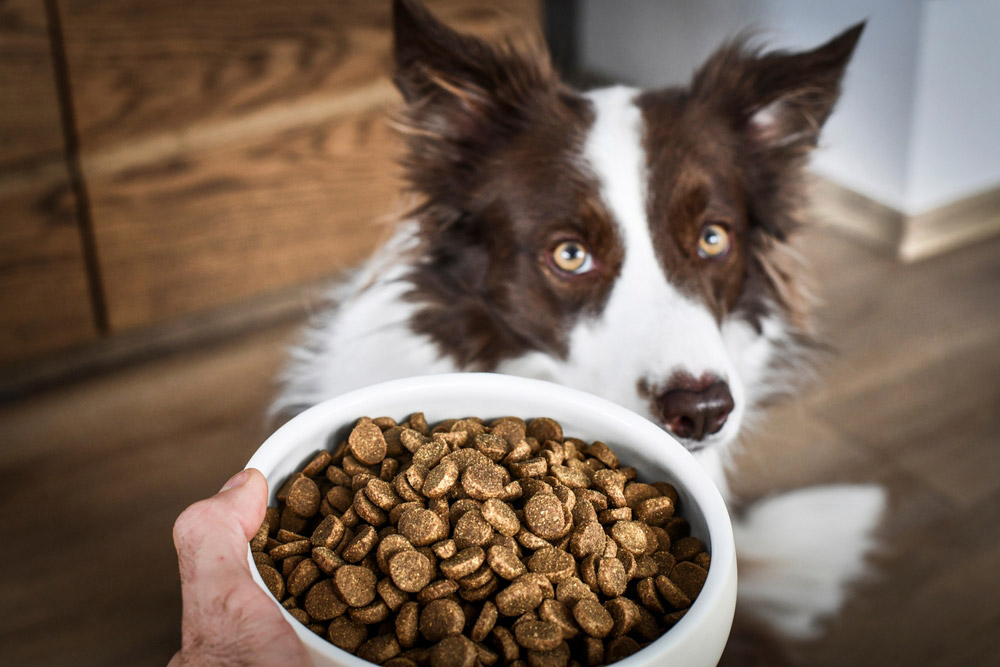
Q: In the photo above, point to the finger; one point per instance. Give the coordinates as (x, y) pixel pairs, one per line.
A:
(211, 536)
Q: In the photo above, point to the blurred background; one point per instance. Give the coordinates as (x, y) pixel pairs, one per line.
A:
(179, 180)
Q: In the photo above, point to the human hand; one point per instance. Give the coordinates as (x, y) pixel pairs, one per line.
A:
(227, 618)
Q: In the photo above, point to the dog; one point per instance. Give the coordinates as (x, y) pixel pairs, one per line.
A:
(630, 243)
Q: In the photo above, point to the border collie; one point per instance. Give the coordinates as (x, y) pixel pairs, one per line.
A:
(630, 243)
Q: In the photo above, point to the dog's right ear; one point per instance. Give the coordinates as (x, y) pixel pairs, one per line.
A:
(457, 87)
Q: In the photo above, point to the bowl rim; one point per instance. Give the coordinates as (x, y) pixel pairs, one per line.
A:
(681, 462)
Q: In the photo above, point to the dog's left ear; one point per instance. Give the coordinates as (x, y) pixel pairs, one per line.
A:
(457, 86)
(780, 99)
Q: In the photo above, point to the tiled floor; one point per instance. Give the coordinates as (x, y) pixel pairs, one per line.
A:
(95, 472)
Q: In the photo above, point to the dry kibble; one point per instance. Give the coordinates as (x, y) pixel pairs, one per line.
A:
(501, 517)
(273, 580)
(408, 624)
(346, 634)
(410, 570)
(454, 651)
(544, 516)
(464, 563)
(470, 543)
(303, 497)
(485, 622)
(538, 635)
(593, 618)
(379, 649)
(366, 442)
(440, 619)
(689, 578)
(355, 584)
(504, 561)
(440, 480)
(518, 598)
(422, 527)
(322, 602)
(483, 481)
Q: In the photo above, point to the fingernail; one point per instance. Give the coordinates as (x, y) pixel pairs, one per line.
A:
(236, 480)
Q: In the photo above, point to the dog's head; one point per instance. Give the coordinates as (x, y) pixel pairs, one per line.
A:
(630, 243)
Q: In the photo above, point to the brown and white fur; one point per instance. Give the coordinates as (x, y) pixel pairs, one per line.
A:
(508, 162)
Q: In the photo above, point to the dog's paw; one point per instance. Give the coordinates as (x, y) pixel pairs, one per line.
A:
(800, 551)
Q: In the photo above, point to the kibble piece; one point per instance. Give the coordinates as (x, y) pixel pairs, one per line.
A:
(571, 477)
(355, 584)
(303, 497)
(572, 589)
(464, 563)
(437, 590)
(484, 622)
(686, 548)
(407, 624)
(410, 570)
(688, 577)
(587, 539)
(543, 429)
(322, 602)
(529, 468)
(440, 480)
(593, 649)
(504, 561)
(593, 618)
(359, 547)
(381, 494)
(603, 453)
(367, 510)
(702, 560)
(620, 648)
(471, 530)
(671, 593)
(504, 640)
(625, 613)
(346, 634)
(544, 515)
(388, 547)
(422, 527)
(611, 577)
(538, 635)
(654, 511)
(501, 516)
(555, 612)
(454, 651)
(518, 598)
(390, 594)
(340, 498)
(440, 619)
(483, 480)
(493, 446)
(555, 564)
(303, 576)
(366, 442)
(372, 613)
(273, 580)
(445, 548)
(629, 535)
(379, 649)
(328, 533)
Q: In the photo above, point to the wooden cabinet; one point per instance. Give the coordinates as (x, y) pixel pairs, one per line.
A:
(225, 150)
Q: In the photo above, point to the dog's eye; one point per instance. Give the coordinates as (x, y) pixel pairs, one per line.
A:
(714, 241)
(572, 257)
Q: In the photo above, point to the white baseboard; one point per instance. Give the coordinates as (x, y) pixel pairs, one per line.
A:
(907, 237)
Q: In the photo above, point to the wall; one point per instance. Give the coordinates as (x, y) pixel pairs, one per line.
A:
(956, 129)
(893, 137)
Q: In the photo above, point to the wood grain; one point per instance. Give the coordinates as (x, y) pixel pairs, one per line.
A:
(44, 299)
(233, 149)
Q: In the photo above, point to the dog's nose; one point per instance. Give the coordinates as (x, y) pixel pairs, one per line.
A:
(696, 413)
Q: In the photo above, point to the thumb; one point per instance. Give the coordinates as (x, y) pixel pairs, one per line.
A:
(211, 537)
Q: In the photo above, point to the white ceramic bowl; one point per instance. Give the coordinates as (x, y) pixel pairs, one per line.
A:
(698, 639)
